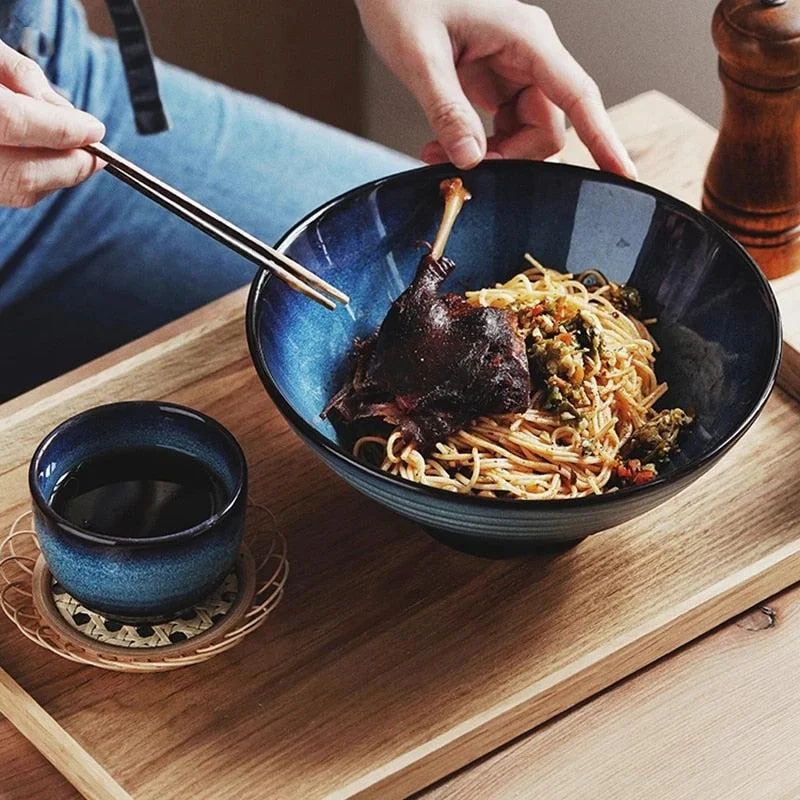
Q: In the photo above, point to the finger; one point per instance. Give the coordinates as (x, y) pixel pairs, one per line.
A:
(431, 76)
(534, 108)
(529, 126)
(28, 122)
(434, 153)
(57, 99)
(26, 175)
(53, 169)
(23, 75)
(527, 143)
(484, 87)
(566, 83)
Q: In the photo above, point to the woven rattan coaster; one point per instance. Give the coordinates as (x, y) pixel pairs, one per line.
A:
(49, 616)
(204, 624)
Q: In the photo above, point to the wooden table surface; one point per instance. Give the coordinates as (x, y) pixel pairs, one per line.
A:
(657, 732)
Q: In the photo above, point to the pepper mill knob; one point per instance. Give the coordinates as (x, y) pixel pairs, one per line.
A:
(752, 185)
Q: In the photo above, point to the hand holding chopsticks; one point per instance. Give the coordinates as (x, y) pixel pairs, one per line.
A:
(281, 266)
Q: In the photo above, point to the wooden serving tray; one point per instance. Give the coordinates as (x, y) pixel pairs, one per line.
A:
(392, 660)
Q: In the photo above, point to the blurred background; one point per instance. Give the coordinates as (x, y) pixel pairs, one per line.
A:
(310, 55)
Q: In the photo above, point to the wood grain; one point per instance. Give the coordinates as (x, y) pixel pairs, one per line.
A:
(718, 720)
(393, 661)
(346, 674)
(55, 744)
(30, 776)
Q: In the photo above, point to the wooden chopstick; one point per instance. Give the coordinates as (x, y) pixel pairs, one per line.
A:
(55, 744)
(244, 243)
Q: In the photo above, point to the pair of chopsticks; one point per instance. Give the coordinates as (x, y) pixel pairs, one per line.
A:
(253, 249)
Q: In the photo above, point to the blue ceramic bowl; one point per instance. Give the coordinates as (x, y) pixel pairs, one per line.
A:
(148, 578)
(718, 323)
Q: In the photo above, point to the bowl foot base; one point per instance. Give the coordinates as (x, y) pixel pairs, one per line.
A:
(498, 550)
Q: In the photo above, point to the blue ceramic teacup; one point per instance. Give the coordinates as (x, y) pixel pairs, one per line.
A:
(132, 578)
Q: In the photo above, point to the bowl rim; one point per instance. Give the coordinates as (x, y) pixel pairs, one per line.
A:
(306, 430)
(44, 506)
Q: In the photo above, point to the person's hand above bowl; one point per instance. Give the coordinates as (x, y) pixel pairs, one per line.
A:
(504, 57)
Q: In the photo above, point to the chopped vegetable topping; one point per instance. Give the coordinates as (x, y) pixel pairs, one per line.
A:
(633, 473)
(561, 356)
(657, 438)
(623, 297)
(626, 298)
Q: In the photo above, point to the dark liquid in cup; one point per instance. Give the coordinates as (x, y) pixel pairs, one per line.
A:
(138, 493)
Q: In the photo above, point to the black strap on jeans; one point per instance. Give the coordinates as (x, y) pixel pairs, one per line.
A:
(140, 73)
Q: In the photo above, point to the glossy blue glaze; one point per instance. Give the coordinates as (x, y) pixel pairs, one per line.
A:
(139, 578)
(718, 322)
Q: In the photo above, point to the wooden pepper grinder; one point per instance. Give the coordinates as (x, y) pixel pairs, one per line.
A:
(752, 186)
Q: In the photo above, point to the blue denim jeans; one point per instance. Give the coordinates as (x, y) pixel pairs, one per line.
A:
(91, 268)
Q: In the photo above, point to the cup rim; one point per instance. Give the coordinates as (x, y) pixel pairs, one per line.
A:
(44, 506)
